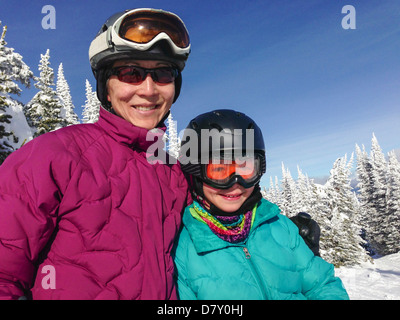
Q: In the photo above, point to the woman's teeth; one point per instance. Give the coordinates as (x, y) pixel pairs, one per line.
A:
(141, 108)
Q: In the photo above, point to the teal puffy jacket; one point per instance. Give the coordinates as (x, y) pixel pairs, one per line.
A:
(273, 263)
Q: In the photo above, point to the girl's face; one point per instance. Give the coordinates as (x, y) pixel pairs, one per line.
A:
(228, 200)
(143, 104)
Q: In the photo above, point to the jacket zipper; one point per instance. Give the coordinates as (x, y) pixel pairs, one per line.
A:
(256, 273)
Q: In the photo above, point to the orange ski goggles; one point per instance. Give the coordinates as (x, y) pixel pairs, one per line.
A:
(143, 26)
(224, 174)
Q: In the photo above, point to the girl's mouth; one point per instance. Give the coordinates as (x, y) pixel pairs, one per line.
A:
(231, 197)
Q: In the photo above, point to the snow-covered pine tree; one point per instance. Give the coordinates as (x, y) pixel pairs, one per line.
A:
(64, 94)
(344, 235)
(361, 253)
(333, 220)
(314, 199)
(321, 212)
(373, 183)
(379, 167)
(265, 193)
(5, 147)
(304, 190)
(272, 194)
(289, 194)
(91, 108)
(383, 226)
(173, 143)
(366, 191)
(13, 127)
(393, 205)
(43, 111)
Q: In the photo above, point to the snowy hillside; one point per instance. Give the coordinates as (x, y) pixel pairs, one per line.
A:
(377, 281)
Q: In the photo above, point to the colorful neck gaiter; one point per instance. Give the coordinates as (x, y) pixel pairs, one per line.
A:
(232, 229)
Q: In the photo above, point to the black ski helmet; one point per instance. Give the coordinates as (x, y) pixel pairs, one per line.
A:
(110, 46)
(232, 129)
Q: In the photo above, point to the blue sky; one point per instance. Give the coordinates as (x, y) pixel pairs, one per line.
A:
(314, 88)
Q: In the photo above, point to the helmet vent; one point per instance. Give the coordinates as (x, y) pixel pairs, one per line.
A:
(194, 125)
(216, 126)
(250, 126)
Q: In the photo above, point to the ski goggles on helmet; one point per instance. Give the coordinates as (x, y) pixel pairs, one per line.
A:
(223, 174)
(136, 75)
(140, 29)
(144, 26)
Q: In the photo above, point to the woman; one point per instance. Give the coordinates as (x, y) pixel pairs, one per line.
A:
(234, 244)
(83, 214)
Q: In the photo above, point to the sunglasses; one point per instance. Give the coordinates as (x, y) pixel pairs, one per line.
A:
(136, 75)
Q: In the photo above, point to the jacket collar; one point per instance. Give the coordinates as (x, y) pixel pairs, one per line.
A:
(126, 133)
(205, 240)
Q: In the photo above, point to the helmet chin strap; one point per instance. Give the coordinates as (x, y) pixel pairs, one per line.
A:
(248, 205)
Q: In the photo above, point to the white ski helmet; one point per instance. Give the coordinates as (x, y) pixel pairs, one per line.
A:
(140, 34)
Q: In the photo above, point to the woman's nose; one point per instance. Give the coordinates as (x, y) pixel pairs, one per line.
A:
(148, 86)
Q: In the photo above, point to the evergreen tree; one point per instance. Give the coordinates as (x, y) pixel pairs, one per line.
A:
(379, 169)
(393, 205)
(383, 232)
(366, 189)
(64, 94)
(344, 235)
(43, 111)
(320, 211)
(92, 105)
(352, 225)
(12, 70)
(272, 194)
(288, 193)
(5, 147)
(304, 191)
(374, 196)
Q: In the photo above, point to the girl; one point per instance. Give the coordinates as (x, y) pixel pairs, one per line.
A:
(234, 244)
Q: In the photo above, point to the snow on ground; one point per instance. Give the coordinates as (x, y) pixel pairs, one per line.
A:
(379, 280)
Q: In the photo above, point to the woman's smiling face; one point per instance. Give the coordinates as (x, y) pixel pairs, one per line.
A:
(144, 104)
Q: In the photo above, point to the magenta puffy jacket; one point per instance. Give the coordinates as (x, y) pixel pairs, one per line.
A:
(84, 215)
